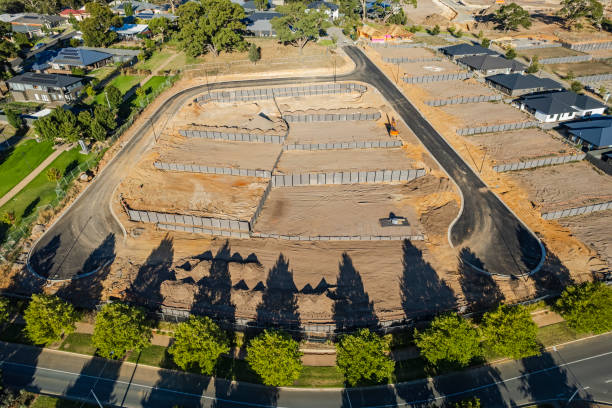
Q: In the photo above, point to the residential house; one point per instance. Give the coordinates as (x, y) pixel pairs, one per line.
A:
(138, 7)
(249, 5)
(34, 24)
(258, 23)
(49, 88)
(9, 18)
(132, 31)
(593, 133)
(79, 14)
(558, 106)
(466, 50)
(517, 84)
(331, 9)
(491, 65)
(119, 55)
(145, 15)
(70, 58)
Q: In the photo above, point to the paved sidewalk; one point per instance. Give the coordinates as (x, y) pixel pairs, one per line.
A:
(8, 196)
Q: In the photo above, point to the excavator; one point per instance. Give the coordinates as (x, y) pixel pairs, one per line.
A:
(393, 128)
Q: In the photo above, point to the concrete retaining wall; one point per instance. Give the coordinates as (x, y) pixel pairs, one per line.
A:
(533, 47)
(233, 136)
(194, 168)
(577, 211)
(547, 161)
(437, 78)
(198, 230)
(192, 220)
(339, 237)
(347, 145)
(589, 46)
(594, 78)
(566, 60)
(345, 177)
(330, 117)
(464, 99)
(279, 92)
(496, 128)
(260, 205)
(408, 60)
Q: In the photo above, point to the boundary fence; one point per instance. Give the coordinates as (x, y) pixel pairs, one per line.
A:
(464, 99)
(588, 46)
(345, 177)
(397, 45)
(292, 117)
(186, 219)
(566, 60)
(437, 78)
(260, 205)
(271, 93)
(195, 168)
(346, 145)
(408, 60)
(496, 128)
(536, 46)
(206, 231)
(233, 136)
(418, 237)
(594, 78)
(570, 212)
(548, 161)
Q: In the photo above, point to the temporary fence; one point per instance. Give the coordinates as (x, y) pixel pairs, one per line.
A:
(464, 99)
(566, 60)
(346, 145)
(588, 46)
(195, 168)
(346, 177)
(186, 219)
(280, 92)
(233, 136)
(408, 60)
(547, 161)
(496, 128)
(417, 237)
(437, 78)
(570, 212)
(292, 117)
(594, 78)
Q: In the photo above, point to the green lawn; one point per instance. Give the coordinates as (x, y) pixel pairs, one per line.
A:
(155, 61)
(101, 73)
(45, 401)
(320, 377)
(150, 86)
(17, 163)
(558, 333)
(152, 355)
(123, 82)
(78, 343)
(41, 191)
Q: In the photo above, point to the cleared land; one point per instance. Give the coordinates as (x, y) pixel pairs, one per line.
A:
(521, 145)
(415, 52)
(485, 113)
(450, 89)
(554, 52)
(594, 230)
(295, 161)
(429, 68)
(565, 186)
(337, 132)
(581, 68)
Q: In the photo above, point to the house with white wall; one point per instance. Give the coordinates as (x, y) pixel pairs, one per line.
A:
(560, 106)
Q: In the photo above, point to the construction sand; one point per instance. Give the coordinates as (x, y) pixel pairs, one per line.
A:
(337, 132)
(179, 149)
(429, 68)
(296, 161)
(449, 89)
(565, 186)
(594, 230)
(485, 113)
(521, 145)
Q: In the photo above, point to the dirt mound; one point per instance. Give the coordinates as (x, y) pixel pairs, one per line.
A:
(433, 19)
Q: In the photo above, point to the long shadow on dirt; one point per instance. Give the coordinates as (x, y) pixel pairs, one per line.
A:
(480, 289)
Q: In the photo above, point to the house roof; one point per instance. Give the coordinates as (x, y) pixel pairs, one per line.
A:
(319, 4)
(50, 80)
(519, 81)
(149, 16)
(560, 102)
(79, 57)
(36, 19)
(596, 130)
(7, 18)
(25, 28)
(488, 62)
(67, 12)
(114, 51)
(263, 15)
(141, 5)
(467, 49)
(130, 29)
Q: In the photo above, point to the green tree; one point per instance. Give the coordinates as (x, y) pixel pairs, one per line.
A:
(574, 10)
(120, 328)
(450, 340)
(60, 124)
(14, 119)
(469, 403)
(105, 117)
(297, 26)
(4, 310)
(96, 28)
(160, 26)
(53, 174)
(509, 331)
(22, 40)
(587, 307)
(113, 96)
(84, 119)
(510, 54)
(485, 42)
(576, 86)
(363, 358)
(97, 131)
(128, 9)
(198, 343)
(262, 4)
(511, 16)
(48, 318)
(275, 357)
(435, 30)
(534, 66)
(73, 22)
(75, 42)
(254, 53)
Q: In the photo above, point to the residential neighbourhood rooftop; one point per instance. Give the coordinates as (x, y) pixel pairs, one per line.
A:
(596, 130)
(47, 80)
(491, 62)
(320, 4)
(79, 57)
(463, 49)
(130, 29)
(519, 82)
(561, 102)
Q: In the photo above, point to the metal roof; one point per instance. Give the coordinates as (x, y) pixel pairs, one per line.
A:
(319, 3)
(560, 102)
(467, 49)
(596, 130)
(79, 57)
(50, 80)
(519, 81)
(488, 62)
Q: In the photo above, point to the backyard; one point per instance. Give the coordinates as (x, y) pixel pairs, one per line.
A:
(123, 82)
(18, 161)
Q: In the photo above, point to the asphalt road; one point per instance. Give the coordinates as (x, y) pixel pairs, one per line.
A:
(581, 368)
(490, 236)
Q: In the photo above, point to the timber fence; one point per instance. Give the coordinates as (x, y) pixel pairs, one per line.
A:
(346, 145)
(547, 161)
(437, 78)
(496, 128)
(256, 94)
(230, 171)
(233, 136)
(345, 177)
(464, 99)
(566, 60)
(570, 212)
(588, 46)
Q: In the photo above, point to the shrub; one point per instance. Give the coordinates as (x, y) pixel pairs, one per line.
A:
(485, 42)
(587, 307)
(4, 310)
(509, 331)
(8, 217)
(275, 357)
(53, 174)
(363, 358)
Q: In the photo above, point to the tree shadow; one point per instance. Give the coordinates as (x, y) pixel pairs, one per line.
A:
(98, 376)
(187, 390)
(42, 260)
(279, 305)
(30, 208)
(71, 166)
(19, 366)
(232, 394)
(352, 305)
(486, 384)
(104, 254)
(146, 287)
(480, 289)
(422, 290)
(380, 396)
(553, 277)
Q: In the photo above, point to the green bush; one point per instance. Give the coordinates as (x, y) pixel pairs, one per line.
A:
(509, 331)
(53, 174)
(363, 358)
(275, 357)
(587, 307)
(4, 310)
(48, 318)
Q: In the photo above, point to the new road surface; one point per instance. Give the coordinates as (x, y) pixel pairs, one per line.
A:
(488, 235)
(578, 371)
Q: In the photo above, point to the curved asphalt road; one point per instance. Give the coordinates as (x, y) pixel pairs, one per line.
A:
(490, 236)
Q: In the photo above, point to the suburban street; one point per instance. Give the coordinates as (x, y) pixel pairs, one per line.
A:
(582, 367)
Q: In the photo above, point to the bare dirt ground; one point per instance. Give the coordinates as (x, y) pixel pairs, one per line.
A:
(337, 132)
(429, 68)
(554, 52)
(296, 161)
(580, 68)
(593, 229)
(564, 186)
(450, 89)
(426, 10)
(180, 149)
(485, 114)
(521, 145)
(416, 52)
